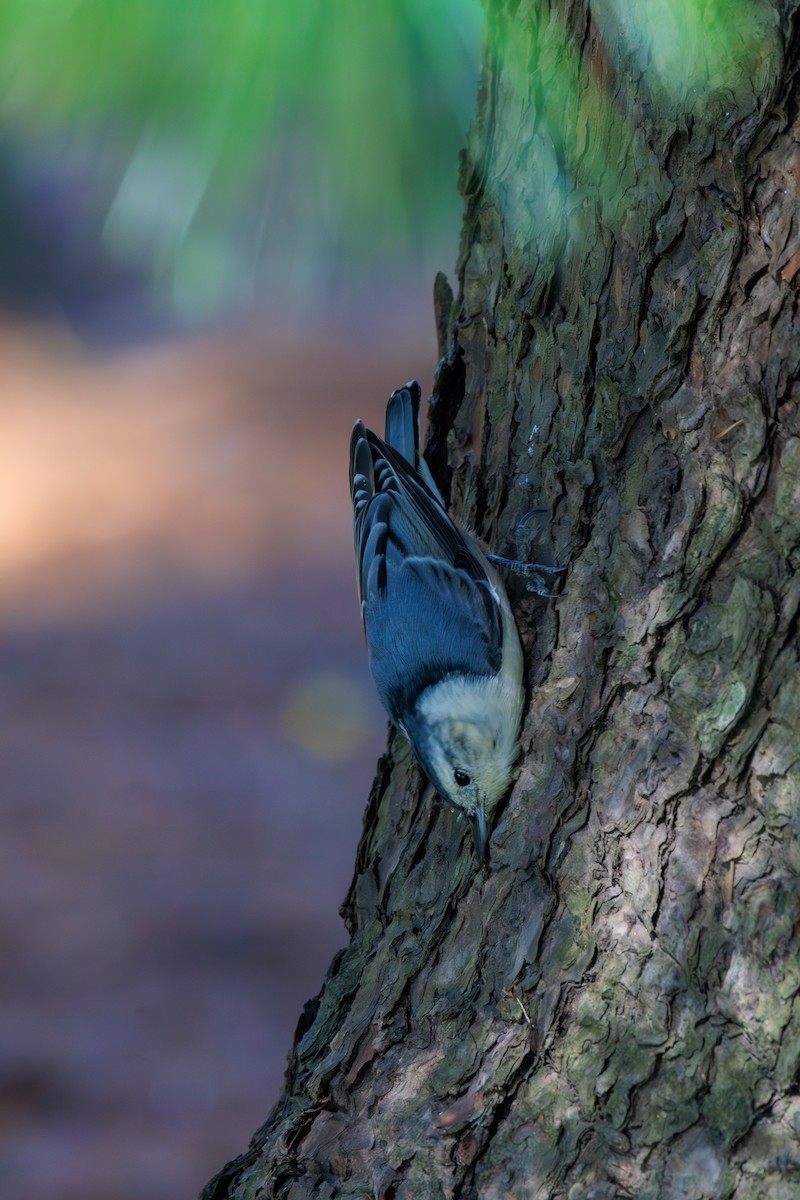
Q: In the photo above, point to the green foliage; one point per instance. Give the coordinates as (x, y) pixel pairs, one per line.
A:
(229, 143)
(304, 124)
(694, 48)
(700, 60)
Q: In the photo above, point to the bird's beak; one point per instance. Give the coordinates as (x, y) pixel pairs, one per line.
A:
(480, 835)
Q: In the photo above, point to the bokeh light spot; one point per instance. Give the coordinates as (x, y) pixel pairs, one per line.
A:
(325, 715)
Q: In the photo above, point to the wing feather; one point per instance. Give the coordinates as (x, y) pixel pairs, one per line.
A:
(428, 602)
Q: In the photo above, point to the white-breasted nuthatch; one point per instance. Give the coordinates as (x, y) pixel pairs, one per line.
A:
(443, 646)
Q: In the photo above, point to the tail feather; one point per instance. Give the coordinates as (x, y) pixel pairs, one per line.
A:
(402, 421)
(402, 431)
(361, 465)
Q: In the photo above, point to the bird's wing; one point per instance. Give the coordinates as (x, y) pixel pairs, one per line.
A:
(428, 603)
(431, 621)
(421, 523)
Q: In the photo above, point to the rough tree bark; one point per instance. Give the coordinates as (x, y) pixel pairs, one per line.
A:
(613, 1008)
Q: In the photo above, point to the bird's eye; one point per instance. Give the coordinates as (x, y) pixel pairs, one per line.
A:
(461, 778)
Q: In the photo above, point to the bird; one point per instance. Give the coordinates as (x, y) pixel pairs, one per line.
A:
(442, 642)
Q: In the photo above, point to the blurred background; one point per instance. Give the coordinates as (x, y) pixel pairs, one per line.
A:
(219, 228)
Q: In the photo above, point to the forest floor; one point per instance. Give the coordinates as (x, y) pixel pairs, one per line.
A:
(188, 735)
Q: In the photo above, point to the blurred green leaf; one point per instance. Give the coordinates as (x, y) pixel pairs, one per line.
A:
(299, 127)
(704, 59)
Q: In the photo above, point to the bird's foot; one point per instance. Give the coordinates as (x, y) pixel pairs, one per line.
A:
(529, 533)
(533, 573)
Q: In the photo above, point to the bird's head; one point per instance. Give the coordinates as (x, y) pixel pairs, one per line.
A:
(465, 735)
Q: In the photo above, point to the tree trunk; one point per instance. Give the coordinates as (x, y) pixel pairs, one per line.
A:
(613, 1007)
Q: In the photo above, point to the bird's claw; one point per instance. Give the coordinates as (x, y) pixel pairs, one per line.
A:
(532, 573)
(530, 529)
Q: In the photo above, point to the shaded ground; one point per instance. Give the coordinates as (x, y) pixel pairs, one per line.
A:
(187, 733)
